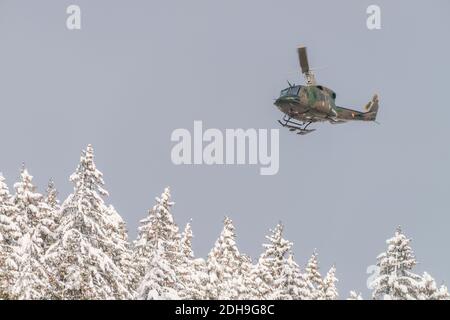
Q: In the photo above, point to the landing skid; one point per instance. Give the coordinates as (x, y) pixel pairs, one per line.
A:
(300, 127)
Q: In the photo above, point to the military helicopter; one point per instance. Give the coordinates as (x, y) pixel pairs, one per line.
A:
(310, 103)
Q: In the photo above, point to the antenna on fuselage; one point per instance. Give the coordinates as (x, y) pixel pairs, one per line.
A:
(304, 65)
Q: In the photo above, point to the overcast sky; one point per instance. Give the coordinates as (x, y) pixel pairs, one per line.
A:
(137, 70)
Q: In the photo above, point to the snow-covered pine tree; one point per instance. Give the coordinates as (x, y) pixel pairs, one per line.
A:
(328, 288)
(27, 202)
(158, 231)
(224, 265)
(268, 272)
(51, 197)
(293, 284)
(145, 245)
(186, 272)
(122, 252)
(50, 215)
(354, 296)
(159, 282)
(442, 293)
(9, 235)
(34, 212)
(274, 258)
(189, 275)
(5, 197)
(85, 261)
(245, 282)
(428, 290)
(48, 222)
(395, 280)
(261, 281)
(32, 281)
(186, 241)
(158, 227)
(313, 277)
(36, 222)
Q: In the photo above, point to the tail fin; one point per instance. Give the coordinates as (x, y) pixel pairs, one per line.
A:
(372, 109)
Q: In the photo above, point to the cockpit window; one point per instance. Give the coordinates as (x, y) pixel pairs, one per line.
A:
(292, 91)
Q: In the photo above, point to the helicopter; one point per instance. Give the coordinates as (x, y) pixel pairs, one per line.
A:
(303, 105)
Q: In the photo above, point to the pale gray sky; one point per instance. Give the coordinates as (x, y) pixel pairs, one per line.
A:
(139, 69)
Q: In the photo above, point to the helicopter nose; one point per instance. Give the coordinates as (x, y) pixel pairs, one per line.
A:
(280, 102)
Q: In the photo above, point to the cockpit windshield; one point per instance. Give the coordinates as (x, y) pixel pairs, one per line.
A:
(291, 91)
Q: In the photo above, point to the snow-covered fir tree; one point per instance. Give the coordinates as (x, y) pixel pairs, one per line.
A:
(273, 259)
(293, 284)
(158, 231)
(278, 276)
(122, 252)
(159, 282)
(51, 197)
(261, 281)
(85, 261)
(245, 284)
(395, 280)
(328, 288)
(53, 205)
(191, 273)
(428, 290)
(224, 265)
(157, 228)
(32, 281)
(313, 277)
(199, 292)
(186, 272)
(47, 225)
(27, 201)
(36, 221)
(442, 293)
(354, 296)
(186, 241)
(4, 190)
(9, 235)
(34, 212)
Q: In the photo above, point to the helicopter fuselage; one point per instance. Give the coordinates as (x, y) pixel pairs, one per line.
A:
(308, 103)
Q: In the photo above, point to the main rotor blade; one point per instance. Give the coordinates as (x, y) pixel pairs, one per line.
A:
(303, 57)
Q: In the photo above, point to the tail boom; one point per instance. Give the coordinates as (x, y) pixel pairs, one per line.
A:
(370, 114)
